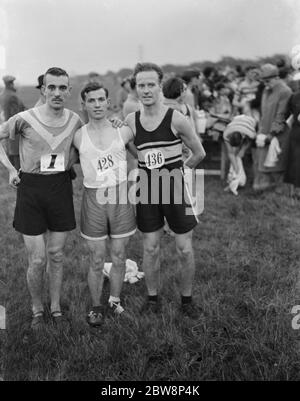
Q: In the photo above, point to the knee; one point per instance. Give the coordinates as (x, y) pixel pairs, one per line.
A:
(184, 251)
(151, 250)
(97, 260)
(55, 255)
(37, 261)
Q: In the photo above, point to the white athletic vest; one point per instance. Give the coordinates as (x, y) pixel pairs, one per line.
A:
(102, 168)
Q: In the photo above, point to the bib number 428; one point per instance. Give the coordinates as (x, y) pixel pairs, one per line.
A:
(105, 163)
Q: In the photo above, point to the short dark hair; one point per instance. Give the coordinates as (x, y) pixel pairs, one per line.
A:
(142, 67)
(235, 139)
(92, 86)
(250, 67)
(219, 86)
(173, 88)
(208, 70)
(56, 71)
(189, 74)
(132, 82)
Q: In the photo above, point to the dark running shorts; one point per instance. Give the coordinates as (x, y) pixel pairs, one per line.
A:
(44, 202)
(179, 215)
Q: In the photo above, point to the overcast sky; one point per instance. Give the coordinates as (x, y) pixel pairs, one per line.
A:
(101, 35)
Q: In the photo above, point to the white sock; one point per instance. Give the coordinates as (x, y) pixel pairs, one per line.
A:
(115, 300)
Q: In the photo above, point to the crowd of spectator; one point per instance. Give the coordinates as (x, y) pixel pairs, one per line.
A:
(251, 111)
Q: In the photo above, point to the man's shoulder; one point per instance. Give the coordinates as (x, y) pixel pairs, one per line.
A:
(79, 130)
(286, 89)
(73, 114)
(281, 90)
(130, 118)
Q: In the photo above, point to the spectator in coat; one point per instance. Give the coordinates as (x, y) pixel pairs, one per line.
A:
(11, 105)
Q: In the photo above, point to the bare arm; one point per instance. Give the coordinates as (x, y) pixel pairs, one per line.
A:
(190, 139)
(245, 146)
(73, 157)
(130, 126)
(13, 174)
(232, 156)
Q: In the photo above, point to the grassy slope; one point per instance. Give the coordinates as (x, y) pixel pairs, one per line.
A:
(246, 252)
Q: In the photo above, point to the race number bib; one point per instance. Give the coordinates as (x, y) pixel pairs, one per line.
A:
(105, 163)
(154, 159)
(53, 162)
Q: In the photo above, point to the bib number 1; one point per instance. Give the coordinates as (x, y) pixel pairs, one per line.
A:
(154, 159)
(53, 162)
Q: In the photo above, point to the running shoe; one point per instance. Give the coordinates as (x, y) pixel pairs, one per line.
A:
(151, 307)
(116, 308)
(95, 317)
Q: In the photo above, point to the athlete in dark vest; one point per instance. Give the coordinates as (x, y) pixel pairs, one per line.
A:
(159, 133)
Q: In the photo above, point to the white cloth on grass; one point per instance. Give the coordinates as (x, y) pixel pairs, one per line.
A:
(132, 273)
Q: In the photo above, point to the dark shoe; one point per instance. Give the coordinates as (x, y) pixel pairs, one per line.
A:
(190, 310)
(59, 320)
(38, 321)
(95, 317)
(151, 307)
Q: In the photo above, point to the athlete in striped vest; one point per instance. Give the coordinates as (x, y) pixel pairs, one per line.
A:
(159, 132)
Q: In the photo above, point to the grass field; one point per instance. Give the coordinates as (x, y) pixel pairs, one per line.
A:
(247, 255)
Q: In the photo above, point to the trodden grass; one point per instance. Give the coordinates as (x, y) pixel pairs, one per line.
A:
(247, 254)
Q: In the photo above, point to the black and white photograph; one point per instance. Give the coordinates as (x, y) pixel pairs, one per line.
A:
(149, 193)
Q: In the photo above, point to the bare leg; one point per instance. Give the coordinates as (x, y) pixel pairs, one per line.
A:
(117, 272)
(185, 252)
(95, 274)
(56, 243)
(35, 246)
(151, 262)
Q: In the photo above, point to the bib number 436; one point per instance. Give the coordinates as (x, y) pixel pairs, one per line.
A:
(154, 159)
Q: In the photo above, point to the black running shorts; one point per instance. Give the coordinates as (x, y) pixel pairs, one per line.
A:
(168, 201)
(44, 202)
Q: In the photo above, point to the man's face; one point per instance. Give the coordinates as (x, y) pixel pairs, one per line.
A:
(148, 87)
(96, 104)
(270, 82)
(195, 81)
(56, 90)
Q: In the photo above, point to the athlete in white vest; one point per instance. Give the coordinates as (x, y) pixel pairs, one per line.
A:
(106, 211)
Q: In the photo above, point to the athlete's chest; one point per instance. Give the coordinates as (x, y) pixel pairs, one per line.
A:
(43, 139)
(104, 143)
(151, 124)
